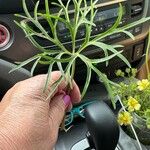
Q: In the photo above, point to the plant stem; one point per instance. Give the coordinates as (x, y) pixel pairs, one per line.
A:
(147, 54)
(136, 137)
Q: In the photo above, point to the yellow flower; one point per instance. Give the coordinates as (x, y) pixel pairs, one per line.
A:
(124, 118)
(143, 84)
(133, 104)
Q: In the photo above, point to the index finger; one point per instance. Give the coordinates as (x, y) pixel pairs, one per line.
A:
(34, 87)
(74, 93)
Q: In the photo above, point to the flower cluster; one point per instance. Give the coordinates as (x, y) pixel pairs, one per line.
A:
(125, 118)
(142, 85)
(135, 96)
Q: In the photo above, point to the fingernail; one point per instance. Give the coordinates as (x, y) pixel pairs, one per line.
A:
(67, 100)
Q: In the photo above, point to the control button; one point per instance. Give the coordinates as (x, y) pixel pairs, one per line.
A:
(136, 9)
(109, 25)
(138, 30)
(95, 30)
(100, 29)
(123, 21)
(138, 51)
(115, 36)
(67, 37)
(4, 36)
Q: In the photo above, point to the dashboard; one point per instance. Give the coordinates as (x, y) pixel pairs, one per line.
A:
(14, 47)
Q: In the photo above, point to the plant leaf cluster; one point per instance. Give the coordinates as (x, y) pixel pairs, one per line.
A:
(129, 88)
(83, 15)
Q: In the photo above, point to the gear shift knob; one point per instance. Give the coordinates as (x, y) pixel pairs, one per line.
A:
(102, 126)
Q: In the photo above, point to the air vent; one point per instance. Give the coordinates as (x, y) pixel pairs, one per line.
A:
(4, 36)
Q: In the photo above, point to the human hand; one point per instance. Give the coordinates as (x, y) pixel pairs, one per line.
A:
(27, 120)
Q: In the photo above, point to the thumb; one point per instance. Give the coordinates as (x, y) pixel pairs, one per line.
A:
(58, 105)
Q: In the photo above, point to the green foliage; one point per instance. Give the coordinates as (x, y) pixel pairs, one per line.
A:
(83, 16)
(147, 115)
(132, 88)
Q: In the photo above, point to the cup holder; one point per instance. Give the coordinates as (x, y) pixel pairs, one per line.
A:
(7, 80)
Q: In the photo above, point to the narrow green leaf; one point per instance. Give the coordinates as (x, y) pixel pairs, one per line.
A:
(113, 50)
(106, 55)
(25, 9)
(101, 60)
(56, 4)
(20, 16)
(47, 7)
(87, 82)
(59, 64)
(54, 87)
(48, 76)
(24, 63)
(18, 24)
(34, 66)
(135, 23)
(116, 24)
(124, 59)
(118, 46)
(129, 34)
(35, 10)
(49, 20)
(105, 80)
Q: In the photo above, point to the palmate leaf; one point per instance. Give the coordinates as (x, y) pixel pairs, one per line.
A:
(83, 16)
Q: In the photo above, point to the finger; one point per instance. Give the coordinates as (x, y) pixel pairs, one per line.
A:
(58, 107)
(75, 94)
(35, 85)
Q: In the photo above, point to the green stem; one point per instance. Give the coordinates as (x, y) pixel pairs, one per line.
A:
(147, 54)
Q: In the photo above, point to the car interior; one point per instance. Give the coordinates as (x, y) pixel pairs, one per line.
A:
(91, 132)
